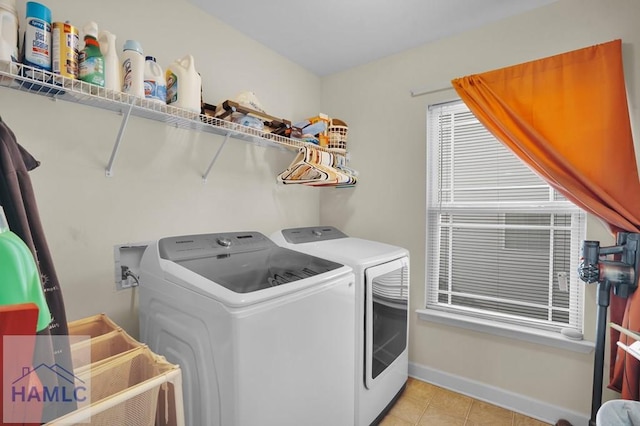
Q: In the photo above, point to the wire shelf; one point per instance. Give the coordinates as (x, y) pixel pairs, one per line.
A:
(28, 79)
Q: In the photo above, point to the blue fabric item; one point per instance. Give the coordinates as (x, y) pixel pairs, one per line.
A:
(619, 412)
(249, 121)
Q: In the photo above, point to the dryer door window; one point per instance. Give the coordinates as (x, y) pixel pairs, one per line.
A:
(387, 301)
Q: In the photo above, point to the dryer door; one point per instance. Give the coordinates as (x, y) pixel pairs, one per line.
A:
(386, 316)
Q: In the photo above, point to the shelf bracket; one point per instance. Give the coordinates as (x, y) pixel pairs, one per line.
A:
(116, 146)
(215, 157)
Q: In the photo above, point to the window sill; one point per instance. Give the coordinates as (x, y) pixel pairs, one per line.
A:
(506, 330)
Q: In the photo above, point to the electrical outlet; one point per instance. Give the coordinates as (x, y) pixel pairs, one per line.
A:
(127, 278)
(127, 259)
(124, 269)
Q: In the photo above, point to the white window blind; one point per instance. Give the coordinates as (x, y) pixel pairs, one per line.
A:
(501, 243)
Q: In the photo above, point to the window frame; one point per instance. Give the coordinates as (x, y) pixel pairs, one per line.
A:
(468, 318)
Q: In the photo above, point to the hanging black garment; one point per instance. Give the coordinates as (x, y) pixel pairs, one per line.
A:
(18, 201)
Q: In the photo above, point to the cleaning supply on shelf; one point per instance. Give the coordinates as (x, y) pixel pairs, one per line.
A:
(337, 132)
(19, 275)
(37, 39)
(64, 52)
(91, 61)
(132, 69)
(8, 36)
(112, 75)
(155, 87)
(184, 84)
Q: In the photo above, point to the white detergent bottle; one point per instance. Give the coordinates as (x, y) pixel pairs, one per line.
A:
(8, 36)
(184, 84)
(133, 69)
(155, 87)
(112, 77)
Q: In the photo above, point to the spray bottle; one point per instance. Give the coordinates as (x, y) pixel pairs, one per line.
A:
(112, 76)
(91, 61)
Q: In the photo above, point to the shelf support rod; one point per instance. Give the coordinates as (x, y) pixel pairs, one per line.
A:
(215, 157)
(116, 146)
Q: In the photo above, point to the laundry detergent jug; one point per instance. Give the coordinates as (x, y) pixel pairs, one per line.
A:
(19, 276)
(184, 84)
(155, 87)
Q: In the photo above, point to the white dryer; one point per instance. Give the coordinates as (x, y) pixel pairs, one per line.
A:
(381, 322)
(261, 333)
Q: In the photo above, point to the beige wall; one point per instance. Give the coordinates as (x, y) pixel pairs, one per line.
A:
(157, 188)
(387, 143)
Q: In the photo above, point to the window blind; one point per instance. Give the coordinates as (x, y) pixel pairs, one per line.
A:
(501, 243)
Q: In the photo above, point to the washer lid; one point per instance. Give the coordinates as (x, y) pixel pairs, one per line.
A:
(351, 251)
(242, 262)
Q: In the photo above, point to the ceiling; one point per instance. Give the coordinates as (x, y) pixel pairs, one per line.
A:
(328, 36)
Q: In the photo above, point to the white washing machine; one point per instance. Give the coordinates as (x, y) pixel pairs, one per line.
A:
(382, 300)
(261, 333)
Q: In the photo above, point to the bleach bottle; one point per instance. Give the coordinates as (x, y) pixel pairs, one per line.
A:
(19, 275)
(184, 84)
(155, 87)
(133, 69)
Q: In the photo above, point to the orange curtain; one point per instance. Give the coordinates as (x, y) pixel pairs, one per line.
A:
(567, 117)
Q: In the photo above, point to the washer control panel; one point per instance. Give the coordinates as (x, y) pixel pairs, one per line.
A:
(212, 245)
(311, 234)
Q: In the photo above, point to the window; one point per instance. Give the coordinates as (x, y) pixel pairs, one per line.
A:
(502, 245)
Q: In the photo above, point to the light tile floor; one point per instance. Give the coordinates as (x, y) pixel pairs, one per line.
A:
(424, 404)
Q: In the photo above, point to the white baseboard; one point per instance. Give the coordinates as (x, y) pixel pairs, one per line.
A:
(530, 407)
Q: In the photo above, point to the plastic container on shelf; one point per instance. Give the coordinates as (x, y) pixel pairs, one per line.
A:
(112, 75)
(337, 131)
(184, 84)
(37, 38)
(91, 61)
(64, 52)
(155, 87)
(8, 36)
(133, 69)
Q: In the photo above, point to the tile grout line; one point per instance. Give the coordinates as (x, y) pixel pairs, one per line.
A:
(466, 417)
(424, 411)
